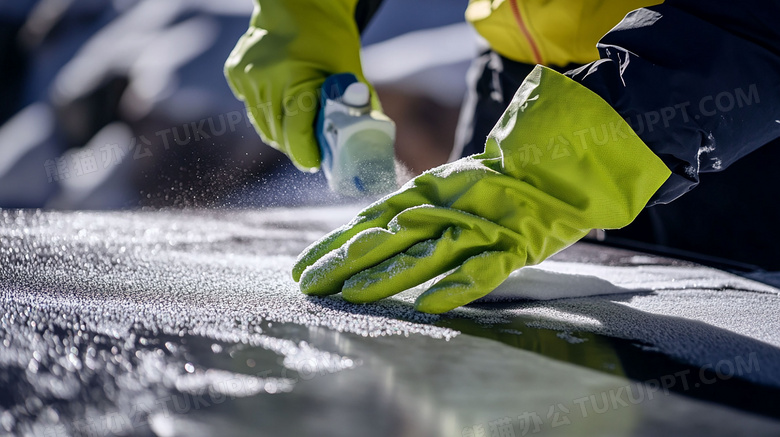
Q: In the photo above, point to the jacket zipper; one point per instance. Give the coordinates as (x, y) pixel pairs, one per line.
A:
(519, 19)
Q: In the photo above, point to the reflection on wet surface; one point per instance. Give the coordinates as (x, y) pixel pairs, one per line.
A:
(722, 382)
(184, 323)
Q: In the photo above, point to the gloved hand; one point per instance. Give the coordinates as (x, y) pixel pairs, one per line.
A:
(279, 64)
(560, 162)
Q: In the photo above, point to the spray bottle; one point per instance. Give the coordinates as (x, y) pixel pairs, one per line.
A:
(356, 144)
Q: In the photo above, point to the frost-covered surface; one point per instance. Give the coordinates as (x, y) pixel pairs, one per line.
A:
(694, 313)
(557, 280)
(188, 323)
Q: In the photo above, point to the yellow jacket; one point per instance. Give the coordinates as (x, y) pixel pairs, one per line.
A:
(548, 32)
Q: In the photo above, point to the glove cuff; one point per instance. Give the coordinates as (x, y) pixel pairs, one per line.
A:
(563, 139)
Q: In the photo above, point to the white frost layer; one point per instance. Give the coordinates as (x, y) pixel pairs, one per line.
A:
(558, 280)
(698, 315)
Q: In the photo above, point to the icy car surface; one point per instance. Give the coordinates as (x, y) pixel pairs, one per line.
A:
(188, 323)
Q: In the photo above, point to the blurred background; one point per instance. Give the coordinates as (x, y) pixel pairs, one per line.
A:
(122, 104)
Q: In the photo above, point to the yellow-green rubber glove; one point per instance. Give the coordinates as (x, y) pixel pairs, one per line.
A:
(560, 162)
(279, 64)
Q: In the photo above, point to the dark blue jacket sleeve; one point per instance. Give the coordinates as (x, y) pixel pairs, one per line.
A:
(698, 80)
(365, 11)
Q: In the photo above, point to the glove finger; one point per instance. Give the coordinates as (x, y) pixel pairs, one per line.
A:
(371, 217)
(299, 111)
(365, 250)
(372, 246)
(468, 235)
(421, 262)
(376, 215)
(478, 276)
